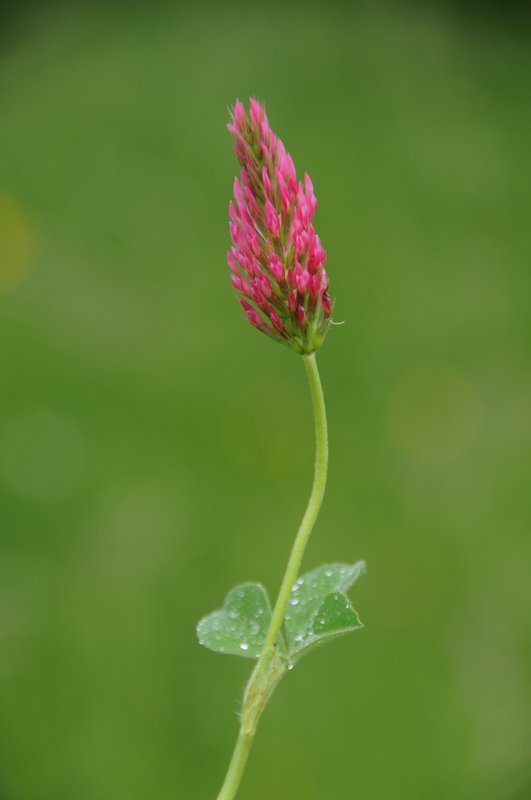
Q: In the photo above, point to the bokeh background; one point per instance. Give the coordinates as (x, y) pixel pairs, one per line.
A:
(155, 450)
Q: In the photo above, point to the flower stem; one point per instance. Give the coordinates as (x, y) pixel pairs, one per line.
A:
(237, 766)
(271, 666)
(314, 503)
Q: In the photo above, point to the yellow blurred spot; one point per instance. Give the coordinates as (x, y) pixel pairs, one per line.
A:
(16, 243)
(434, 413)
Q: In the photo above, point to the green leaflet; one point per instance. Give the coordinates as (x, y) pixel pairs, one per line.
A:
(318, 610)
(335, 617)
(240, 627)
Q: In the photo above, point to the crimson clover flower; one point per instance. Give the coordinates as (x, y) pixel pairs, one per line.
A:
(276, 258)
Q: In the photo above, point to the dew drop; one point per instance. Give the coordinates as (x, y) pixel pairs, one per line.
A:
(328, 573)
(244, 646)
(294, 601)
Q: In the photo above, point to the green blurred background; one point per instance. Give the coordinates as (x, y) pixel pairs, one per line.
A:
(155, 450)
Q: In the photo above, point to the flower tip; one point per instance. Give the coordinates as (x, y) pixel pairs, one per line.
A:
(238, 114)
(257, 111)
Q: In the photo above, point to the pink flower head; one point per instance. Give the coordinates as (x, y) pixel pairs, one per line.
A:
(277, 259)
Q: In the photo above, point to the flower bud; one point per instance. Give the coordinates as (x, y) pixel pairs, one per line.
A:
(277, 260)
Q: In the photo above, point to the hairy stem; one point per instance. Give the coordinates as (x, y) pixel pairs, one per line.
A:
(271, 666)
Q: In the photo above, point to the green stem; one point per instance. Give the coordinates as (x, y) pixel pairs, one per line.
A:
(314, 503)
(237, 766)
(271, 666)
